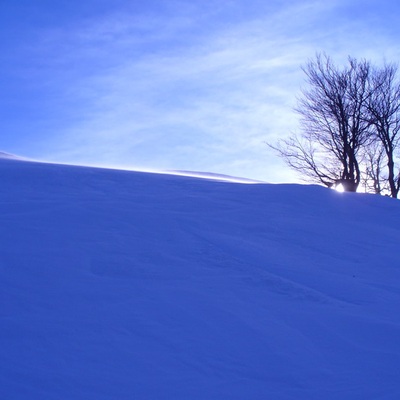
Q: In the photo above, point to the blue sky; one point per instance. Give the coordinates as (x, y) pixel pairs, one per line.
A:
(186, 85)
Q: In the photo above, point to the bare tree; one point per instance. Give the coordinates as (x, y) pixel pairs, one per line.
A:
(374, 179)
(384, 113)
(333, 123)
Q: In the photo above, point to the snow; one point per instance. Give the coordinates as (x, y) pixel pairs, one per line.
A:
(8, 156)
(131, 285)
(211, 175)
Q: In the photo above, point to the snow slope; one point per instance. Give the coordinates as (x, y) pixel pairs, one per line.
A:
(126, 285)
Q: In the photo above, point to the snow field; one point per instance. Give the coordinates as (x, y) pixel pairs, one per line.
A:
(129, 285)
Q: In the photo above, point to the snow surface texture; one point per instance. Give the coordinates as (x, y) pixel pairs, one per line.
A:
(124, 285)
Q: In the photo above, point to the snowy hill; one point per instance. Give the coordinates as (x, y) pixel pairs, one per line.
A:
(127, 285)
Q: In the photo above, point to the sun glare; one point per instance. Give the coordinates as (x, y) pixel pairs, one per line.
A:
(339, 188)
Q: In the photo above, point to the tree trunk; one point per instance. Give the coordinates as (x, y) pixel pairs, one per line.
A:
(349, 185)
(393, 187)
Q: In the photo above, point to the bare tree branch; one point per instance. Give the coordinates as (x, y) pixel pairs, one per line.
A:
(384, 113)
(333, 127)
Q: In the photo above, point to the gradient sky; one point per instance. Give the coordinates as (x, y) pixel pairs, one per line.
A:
(179, 84)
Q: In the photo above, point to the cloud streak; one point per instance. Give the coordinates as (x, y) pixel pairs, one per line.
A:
(156, 92)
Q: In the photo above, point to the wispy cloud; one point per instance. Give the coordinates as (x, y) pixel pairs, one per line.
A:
(164, 93)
